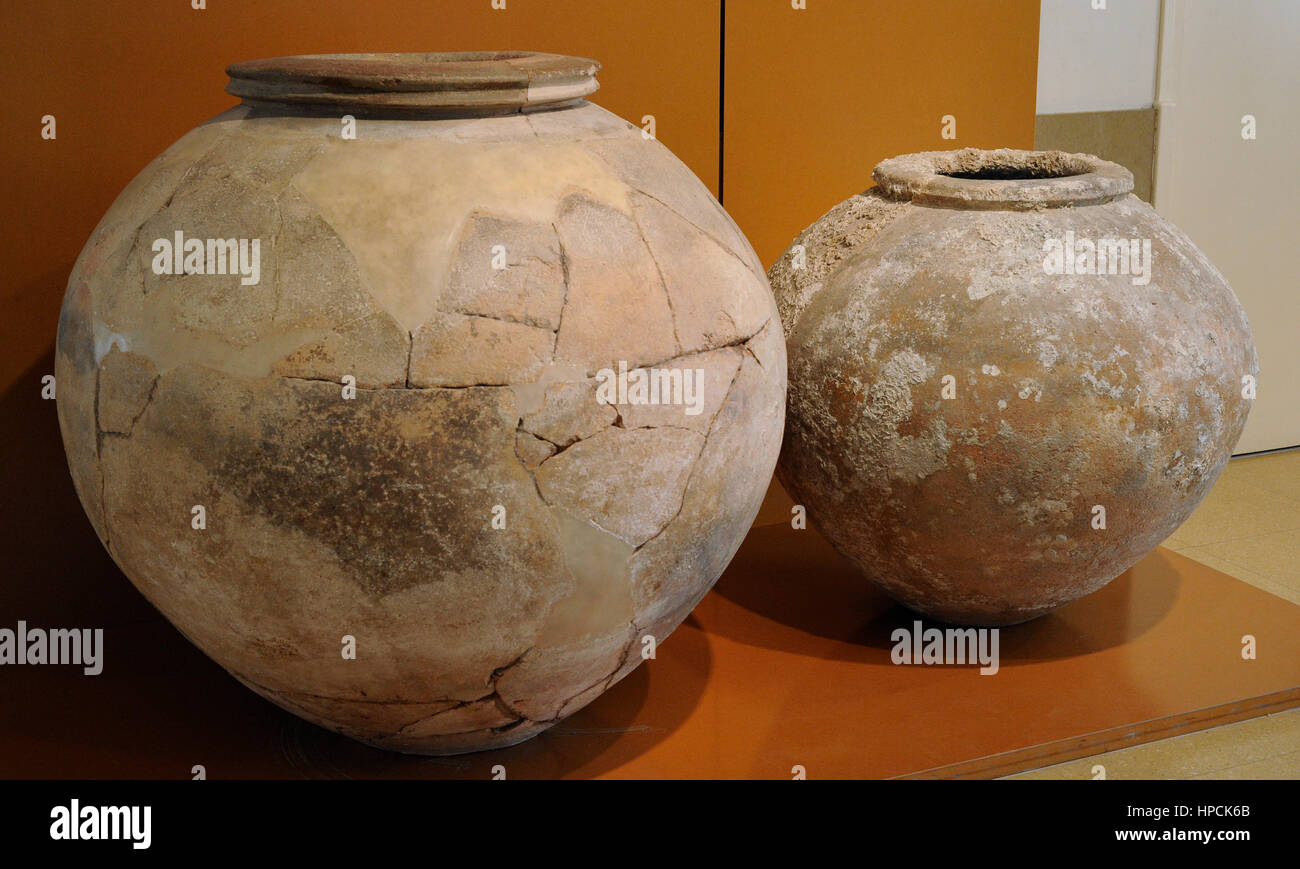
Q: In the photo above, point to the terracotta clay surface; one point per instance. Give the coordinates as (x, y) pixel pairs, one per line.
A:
(499, 542)
(986, 439)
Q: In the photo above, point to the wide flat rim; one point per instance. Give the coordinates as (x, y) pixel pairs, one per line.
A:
(1055, 179)
(482, 80)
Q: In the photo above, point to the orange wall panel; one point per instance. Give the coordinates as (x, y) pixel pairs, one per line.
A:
(126, 79)
(816, 97)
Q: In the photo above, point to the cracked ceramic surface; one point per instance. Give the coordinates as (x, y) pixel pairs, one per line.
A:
(476, 392)
(1068, 392)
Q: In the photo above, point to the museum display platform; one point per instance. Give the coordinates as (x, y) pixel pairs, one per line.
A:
(783, 669)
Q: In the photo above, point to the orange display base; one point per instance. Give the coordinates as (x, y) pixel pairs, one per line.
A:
(784, 668)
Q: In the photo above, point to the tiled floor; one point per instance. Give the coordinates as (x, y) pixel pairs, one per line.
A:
(1248, 527)
(1267, 747)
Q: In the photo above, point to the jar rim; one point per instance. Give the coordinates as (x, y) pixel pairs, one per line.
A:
(1003, 178)
(455, 81)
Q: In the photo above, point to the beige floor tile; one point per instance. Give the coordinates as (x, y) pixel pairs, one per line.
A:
(1285, 766)
(1274, 556)
(1275, 472)
(1230, 515)
(1257, 748)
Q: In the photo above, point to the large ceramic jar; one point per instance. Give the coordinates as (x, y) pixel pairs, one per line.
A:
(419, 392)
(1010, 379)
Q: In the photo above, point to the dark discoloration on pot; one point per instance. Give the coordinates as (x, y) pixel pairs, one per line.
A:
(1068, 392)
(371, 516)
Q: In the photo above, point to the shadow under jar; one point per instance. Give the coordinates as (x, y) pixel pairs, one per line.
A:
(340, 370)
(1010, 379)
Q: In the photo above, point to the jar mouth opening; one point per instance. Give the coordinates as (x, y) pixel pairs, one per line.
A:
(1004, 178)
(437, 82)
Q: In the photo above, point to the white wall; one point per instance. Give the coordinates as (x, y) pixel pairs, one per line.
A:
(1240, 200)
(1097, 59)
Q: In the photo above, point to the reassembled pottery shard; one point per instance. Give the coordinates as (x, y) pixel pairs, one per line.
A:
(396, 432)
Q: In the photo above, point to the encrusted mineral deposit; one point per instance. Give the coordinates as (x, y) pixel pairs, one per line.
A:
(1010, 379)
